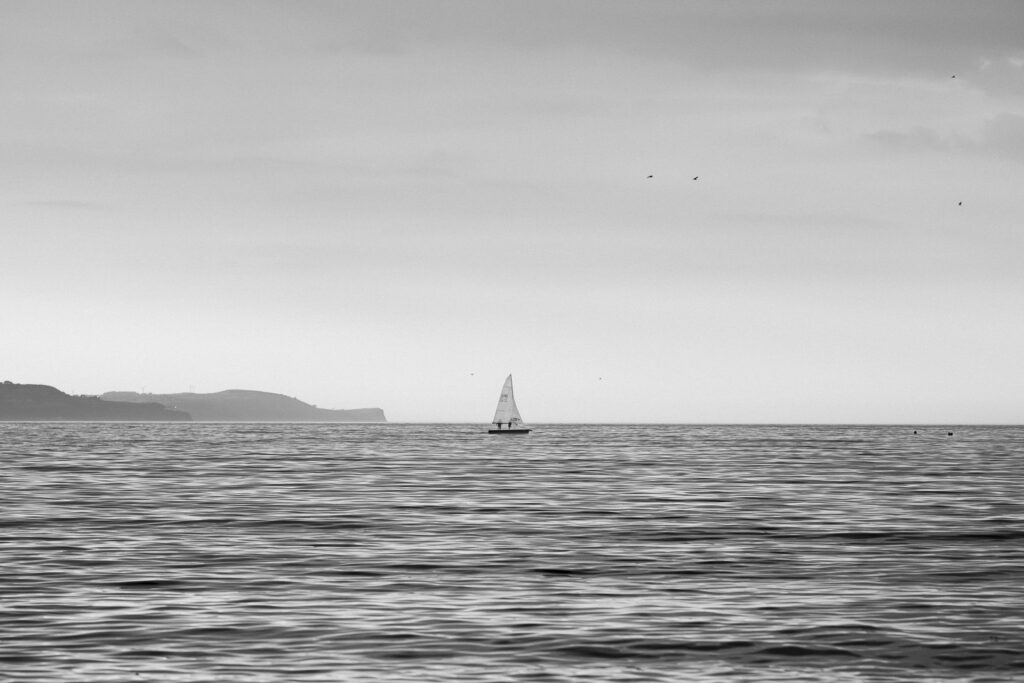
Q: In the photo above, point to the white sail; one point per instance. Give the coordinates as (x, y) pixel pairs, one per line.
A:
(507, 412)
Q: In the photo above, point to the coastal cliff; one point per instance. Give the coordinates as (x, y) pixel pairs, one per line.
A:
(238, 405)
(39, 402)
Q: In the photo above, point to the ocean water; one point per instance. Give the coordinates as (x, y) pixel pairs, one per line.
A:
(316, 552)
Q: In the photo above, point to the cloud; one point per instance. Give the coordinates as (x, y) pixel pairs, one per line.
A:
(916, 139)
(999, 136)
(1004, 136)
(933, 36)
(63, 204)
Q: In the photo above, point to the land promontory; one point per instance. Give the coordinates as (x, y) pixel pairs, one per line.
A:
(239, 405)
(39, 402)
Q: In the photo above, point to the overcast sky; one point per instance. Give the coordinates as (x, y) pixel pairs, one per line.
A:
(396, 204)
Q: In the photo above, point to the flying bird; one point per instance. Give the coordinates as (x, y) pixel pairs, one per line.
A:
(649, 177)
(959, 203)
(695, 177)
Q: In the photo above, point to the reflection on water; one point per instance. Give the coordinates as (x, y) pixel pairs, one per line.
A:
(298, 552)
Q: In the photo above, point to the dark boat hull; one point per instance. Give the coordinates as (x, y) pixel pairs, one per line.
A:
(508, 431)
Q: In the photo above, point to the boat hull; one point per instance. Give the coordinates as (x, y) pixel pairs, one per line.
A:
(508, 431)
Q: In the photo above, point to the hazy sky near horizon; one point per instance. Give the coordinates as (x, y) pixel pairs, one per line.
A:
(395, 204)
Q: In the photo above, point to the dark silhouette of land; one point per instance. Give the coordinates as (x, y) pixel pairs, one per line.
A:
(238, 405)
(39, 402)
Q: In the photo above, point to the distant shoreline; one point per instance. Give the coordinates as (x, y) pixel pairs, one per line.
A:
(44, 403)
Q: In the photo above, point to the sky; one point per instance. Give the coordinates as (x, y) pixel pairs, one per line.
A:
(396, 204)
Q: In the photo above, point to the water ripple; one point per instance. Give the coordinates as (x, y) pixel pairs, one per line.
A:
(288, 552)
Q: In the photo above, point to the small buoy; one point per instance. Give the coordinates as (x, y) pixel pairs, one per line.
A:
(949, 433)
(915, 431)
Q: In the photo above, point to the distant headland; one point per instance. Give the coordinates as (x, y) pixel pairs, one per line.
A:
(38, 402)
(240, 405)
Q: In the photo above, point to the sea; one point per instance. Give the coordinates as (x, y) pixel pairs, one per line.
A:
(401, 552)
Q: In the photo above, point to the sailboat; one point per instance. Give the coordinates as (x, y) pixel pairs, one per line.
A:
(507, 413)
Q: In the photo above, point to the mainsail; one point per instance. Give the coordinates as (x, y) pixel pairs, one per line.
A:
(507, 412)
